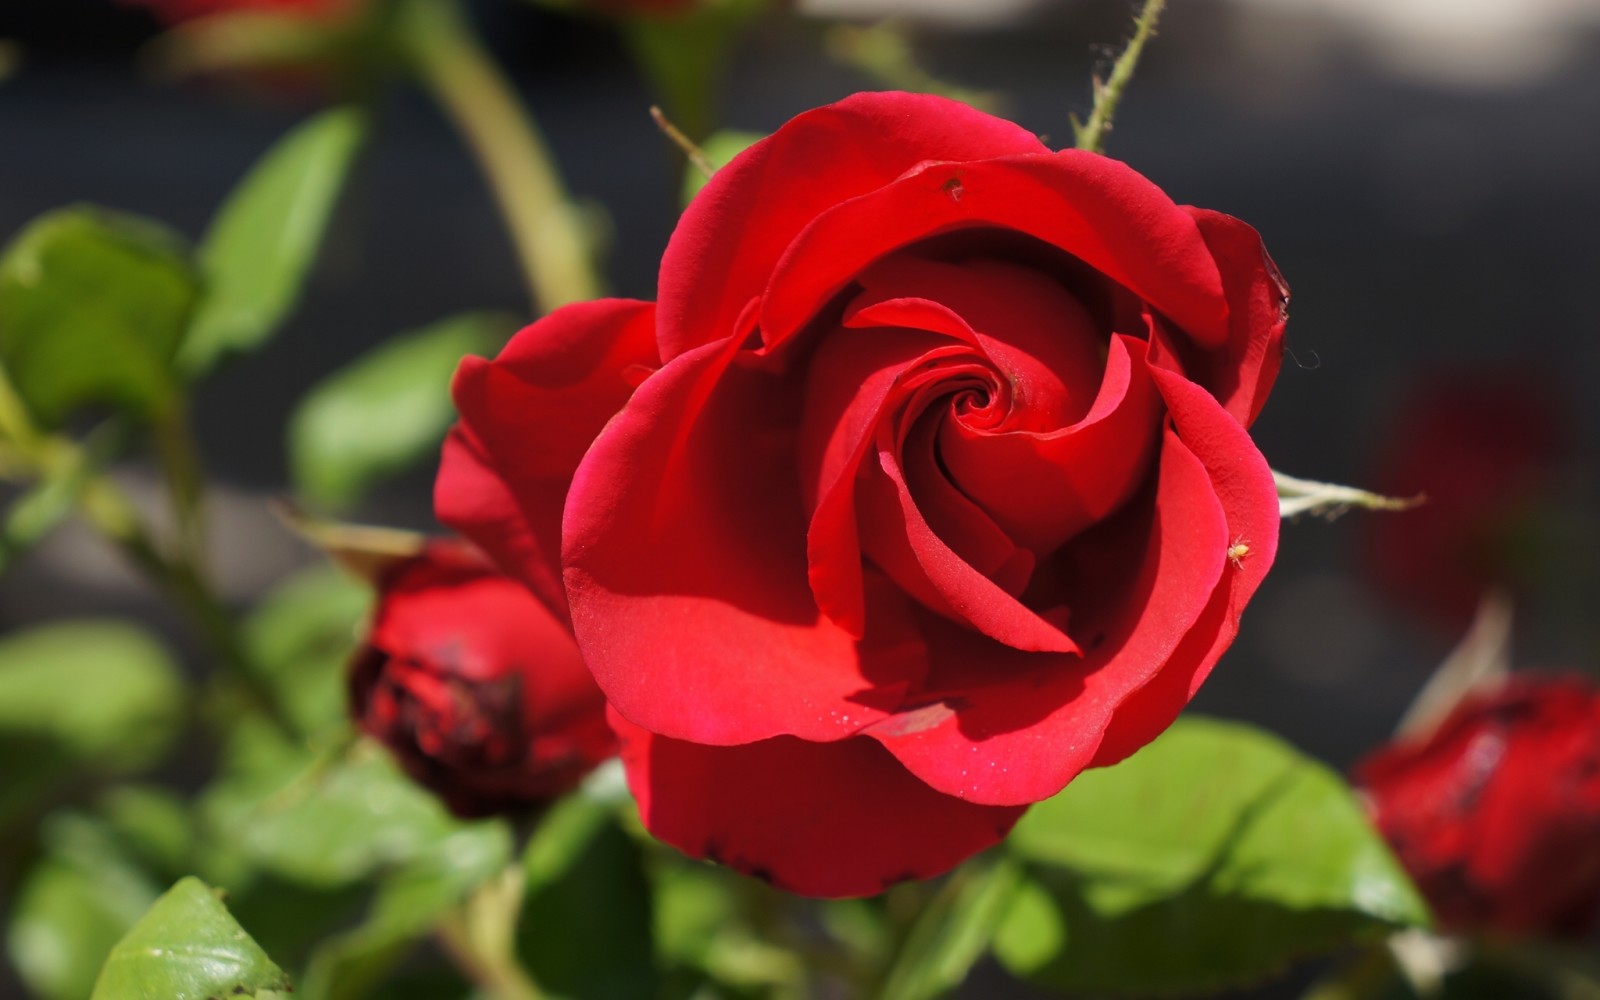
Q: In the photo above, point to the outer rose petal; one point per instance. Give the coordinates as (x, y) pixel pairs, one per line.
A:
(823, 819)
(1096, 209)
(685, 556)
(1243, 483)
(527, 418)
(730, 237)
(1023, 725)
(1242, 371)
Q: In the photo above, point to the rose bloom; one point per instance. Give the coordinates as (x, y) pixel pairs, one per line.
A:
(1496, 813)
(924, 486)
(1484, 447)
(475, 686)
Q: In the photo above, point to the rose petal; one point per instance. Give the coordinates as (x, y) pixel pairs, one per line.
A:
(897, 535)
(854, 381)
(821, 819)
(527, 417)
(471, 496)
(1241, 371)
(1092, 207)
(1074, 476)
(1242, 482)
(1042, 342)
(685, 559)
(732, 234)
(1023, 725)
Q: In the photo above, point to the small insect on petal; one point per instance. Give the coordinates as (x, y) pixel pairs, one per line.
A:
(1237, 550)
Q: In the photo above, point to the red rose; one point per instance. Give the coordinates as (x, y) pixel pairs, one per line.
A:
(475, 686)
(176, 11)
(1484, 448)
(1496, 813)
(924, 501)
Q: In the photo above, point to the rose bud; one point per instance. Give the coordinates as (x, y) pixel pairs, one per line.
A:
(925, 486)
(1496, 811)
(475, 686)
(1484, 449)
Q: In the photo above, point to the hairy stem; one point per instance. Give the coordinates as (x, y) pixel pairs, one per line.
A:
(1091, 135)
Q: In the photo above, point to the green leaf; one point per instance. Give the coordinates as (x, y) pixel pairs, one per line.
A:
(39, 511)
(1213, 857)
(694, 905)
(301, 637)
(264, 239)
(722, 147)
(187, 946)
(55, 496)
(586, 927)
(409, 902)
(97, 696)
(386, 411)
(93, 305)
(74, 905)
(954, 931)
(332, 821)
(152, 823)
(63, 925)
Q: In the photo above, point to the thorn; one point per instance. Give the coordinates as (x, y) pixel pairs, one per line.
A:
(683, 142)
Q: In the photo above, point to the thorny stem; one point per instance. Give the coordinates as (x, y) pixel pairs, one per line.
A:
(516, 161)
(1091, 135)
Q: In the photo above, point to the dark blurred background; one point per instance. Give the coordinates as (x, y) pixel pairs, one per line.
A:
(1424, 174)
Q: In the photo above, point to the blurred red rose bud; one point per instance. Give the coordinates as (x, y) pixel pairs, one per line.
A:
(1483, 447)
(475, 686)
(1496, 812)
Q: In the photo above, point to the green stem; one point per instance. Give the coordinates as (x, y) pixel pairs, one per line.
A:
(952, 930)
(516, 161)
(1091, 135)
(479, 936)
(180, 461)
(109, 511)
